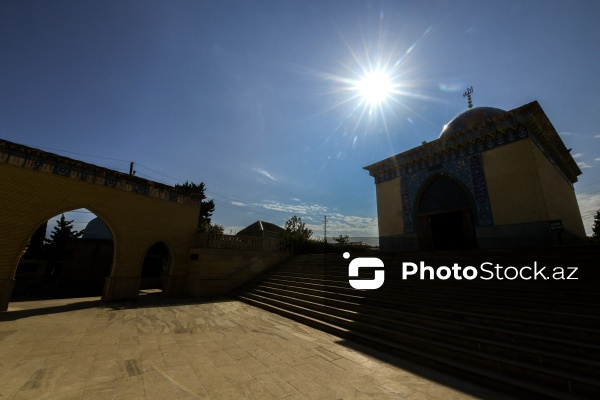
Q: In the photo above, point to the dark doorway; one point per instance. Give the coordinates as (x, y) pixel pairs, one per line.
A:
(156, 266)
(447, 231)
(445, 216)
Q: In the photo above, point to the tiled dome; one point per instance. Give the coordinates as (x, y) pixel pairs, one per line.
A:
(469, 119)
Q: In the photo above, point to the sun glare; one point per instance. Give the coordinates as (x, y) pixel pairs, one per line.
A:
(375, 87)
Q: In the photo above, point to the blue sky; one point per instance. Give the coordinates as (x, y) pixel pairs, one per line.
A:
(254, 98)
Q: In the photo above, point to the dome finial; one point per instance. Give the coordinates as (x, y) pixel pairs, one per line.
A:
(467, 94)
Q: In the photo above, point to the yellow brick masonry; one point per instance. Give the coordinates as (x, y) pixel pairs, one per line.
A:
(29, 197)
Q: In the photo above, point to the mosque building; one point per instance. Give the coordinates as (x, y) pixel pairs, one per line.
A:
(492, 179)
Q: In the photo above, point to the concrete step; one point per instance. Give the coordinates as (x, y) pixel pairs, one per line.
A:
(518, 336)
(550, 313)
(529, 339)
(511, 377)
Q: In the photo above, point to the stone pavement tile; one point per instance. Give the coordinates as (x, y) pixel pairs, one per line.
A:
(102, 371)
(220, 358)
(297, 396)
(159, 386)
(45, 394)
(339, 389)
(100, 391)
(276, 385)
(237, 353)
(220, 350)
(19, 374)
(128, 351)
(353, 367)
(398, 387)
(437, 390)
(324, 353)
(345, 377)
(310, 388)
(130, 388)
(174, 358)
(236, 374)
(228, 393)
(153, 362)
(186, 378)
(255, 390)
(129, 368)
(419, 396)
(264, 362)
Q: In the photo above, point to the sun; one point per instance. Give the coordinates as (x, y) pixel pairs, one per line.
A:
(375, 87)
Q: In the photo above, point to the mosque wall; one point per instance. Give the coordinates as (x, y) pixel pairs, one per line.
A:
(29, 197)
(559, 195)
(389, 208)
(514, 185)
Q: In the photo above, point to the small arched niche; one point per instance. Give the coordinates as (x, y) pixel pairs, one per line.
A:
(155, 268)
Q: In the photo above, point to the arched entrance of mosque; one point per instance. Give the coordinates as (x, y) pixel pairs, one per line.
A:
(445, 216)
(157, 264)
(68, 255)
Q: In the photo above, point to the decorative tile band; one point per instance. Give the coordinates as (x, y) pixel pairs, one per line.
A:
(41, 161)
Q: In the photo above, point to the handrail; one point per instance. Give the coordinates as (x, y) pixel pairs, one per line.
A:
(235, 242)
(250, 264)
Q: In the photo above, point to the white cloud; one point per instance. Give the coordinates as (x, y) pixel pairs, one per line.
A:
(237, 203)
(597, 159)
(578, 155)
(597, 136)
(265, 174)
(566, 133)
(583, 164)
(313, 214)
(351, 225)
(451, 87)
(302, 209)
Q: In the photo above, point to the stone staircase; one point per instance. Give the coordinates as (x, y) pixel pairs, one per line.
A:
(528, 338)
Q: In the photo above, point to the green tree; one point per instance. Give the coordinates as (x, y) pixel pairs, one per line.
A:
(207, 207)
(296, 230)
(57, 249)
(62, 232)
(215, 228)
(596, 226)
(342, 239)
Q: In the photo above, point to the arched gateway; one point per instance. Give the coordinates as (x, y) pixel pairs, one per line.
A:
(36, 185)
(445, 215)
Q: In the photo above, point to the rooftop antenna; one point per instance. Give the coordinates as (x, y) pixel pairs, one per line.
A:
(467, 94)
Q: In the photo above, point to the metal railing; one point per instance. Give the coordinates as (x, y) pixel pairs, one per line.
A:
(234, 242)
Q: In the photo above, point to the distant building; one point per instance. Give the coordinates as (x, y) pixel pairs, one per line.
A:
(262, 229)
(492, 178)
(96, 229)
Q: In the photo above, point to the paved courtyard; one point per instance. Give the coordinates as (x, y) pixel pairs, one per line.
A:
(214, 349)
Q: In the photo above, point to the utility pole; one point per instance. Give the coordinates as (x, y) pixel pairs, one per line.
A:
(325, 227)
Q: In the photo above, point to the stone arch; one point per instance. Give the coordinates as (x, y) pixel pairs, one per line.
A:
(156, 266)
(37, 185)
(86, 266)
(445, 214)
(54, 211)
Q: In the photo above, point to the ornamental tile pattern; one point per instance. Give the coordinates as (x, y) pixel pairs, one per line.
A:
(461, 161)
(41, 161)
